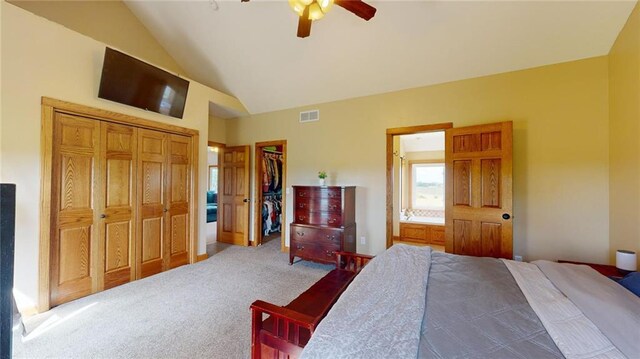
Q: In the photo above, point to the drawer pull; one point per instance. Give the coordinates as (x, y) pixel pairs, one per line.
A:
(333, 207)
(299, 247)
(329, 254)
(303, 194)
(332, 220)
(301, 218)
(301, 234)
(331, 238)
(301, 205)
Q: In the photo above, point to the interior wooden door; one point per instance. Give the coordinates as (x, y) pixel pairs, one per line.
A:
(152, 159)
(118, 151)
(178, 193)
(73, 231)
(478, 189)
(233, 196)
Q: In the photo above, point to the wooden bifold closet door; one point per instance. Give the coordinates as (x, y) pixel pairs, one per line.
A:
(120, 205)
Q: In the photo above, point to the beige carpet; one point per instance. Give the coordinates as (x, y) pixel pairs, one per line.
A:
(195, 311)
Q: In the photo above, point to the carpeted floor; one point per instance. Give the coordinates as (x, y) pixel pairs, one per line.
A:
(195, 311)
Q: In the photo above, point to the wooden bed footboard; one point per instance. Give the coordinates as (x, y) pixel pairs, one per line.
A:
(352, 262)
(286, 330)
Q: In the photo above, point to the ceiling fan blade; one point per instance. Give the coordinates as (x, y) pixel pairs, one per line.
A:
(304, 24)
(358, 7)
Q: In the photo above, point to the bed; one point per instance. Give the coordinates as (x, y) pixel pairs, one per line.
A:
(411, 302)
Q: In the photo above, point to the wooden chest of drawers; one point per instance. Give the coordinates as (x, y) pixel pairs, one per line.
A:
(323, 223)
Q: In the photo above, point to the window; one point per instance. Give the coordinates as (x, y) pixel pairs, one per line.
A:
(213, 179)
(427, 186)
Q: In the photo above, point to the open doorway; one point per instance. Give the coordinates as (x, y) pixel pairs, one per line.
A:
(270, 203)
(416, 185)
(214, 151)
(419, 189)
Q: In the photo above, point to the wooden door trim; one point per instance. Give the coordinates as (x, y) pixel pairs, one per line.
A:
(49, 108)
(391, 132)
(257, 215)
(105, 115)
(221, 147)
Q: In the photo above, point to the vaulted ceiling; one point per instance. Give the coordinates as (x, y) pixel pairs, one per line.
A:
(250, 50)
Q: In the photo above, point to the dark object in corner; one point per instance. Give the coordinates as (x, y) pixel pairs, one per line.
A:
(7, 243)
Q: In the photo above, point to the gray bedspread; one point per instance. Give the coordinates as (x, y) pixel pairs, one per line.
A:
(475, 309)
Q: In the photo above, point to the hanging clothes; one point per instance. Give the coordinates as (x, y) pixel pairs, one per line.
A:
(272, 192)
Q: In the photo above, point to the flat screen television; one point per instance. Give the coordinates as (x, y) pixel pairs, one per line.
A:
(136, 83)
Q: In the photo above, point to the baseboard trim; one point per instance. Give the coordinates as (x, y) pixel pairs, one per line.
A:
(201, 257)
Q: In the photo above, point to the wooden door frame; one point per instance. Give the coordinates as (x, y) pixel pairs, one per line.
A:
(257, 214)
(391, 132)
(221, 147)
(52, 106)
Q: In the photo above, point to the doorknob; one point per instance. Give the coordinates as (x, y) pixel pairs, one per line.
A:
(245, 200)
(506, 216)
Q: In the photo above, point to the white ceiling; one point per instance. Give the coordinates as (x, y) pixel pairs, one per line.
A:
(428, 141)
(250, 50)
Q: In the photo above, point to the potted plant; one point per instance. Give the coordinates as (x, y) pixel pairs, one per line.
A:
(322, 175)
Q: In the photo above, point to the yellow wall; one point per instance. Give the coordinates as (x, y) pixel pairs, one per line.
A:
(42, 58)
(217, 129)
(624, 170)
(561, 150)
(108, 21)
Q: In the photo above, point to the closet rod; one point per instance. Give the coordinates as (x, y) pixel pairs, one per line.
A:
(271, 151)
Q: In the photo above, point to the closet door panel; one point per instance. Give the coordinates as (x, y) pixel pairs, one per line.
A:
(118, 143)
(178, 199)
(150, 257)
(75, 153)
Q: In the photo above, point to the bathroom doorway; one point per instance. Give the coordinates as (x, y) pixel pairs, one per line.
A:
(416, 185)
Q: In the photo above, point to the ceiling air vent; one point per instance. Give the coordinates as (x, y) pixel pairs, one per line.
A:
(309, 116)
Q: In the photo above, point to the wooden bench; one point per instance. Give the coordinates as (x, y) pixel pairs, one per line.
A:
(287, 329)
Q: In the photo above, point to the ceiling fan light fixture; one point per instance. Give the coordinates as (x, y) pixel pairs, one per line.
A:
(325, 5)
(298, 6)
(315, 12)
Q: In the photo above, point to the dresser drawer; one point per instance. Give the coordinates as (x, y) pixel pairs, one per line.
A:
(319, 204)
(320, 253)
(331, 219)
(318, 236)
(319, 192)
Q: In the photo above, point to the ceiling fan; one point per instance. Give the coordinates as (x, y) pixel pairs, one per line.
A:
(310, 10)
